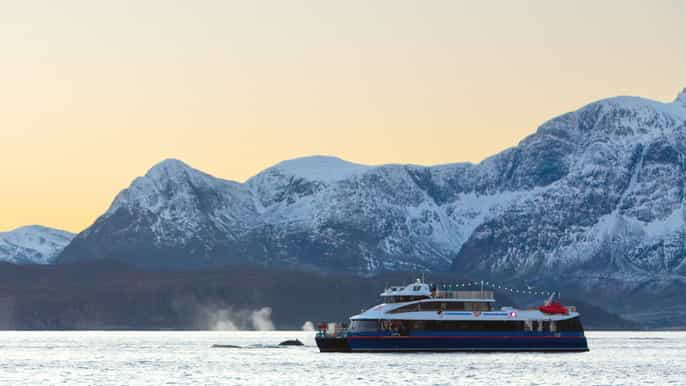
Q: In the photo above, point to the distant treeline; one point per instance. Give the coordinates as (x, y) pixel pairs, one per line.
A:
(110, 295)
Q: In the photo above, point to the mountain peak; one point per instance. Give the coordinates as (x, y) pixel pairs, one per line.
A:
(169, 165)
(32, 244)
(681, 98)
(172, 169)
(321, 168)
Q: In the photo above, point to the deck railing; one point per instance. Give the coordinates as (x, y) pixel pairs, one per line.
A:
(331, 329)
(485, 295)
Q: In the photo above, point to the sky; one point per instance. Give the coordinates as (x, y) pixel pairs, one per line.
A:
(93, 94)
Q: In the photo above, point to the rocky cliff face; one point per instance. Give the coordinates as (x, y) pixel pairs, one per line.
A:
(174, 216)
(593, 199)
(609, 217)
(611, 196)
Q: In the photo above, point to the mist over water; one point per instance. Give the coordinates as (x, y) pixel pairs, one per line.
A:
(308, 326)
(230, 319)
(262, 319)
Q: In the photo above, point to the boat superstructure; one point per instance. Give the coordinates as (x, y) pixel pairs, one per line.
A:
(421, 317)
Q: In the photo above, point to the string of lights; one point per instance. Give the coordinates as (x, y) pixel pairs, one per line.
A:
(494, 286)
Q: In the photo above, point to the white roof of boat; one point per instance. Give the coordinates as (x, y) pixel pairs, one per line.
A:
(415, 289)
(420, 289)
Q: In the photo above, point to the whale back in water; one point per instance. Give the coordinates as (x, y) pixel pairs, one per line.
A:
(224, 346)
(291, 342)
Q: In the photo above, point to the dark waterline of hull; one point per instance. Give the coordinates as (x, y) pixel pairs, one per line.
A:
(452, 344)
(332, 344)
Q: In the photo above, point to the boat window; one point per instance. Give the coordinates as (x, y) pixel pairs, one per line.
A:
(572, 325)
(429, 306)
(464, 325)
(414, 307)
(403, 299)
(364, 325)
(477, 306)
(444, 306)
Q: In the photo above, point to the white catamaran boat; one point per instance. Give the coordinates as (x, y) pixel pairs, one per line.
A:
(420, 317)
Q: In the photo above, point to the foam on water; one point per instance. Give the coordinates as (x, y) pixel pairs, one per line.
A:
(117, 358)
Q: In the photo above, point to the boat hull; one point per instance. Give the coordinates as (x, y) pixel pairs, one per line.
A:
(472, 343)
(332, 344)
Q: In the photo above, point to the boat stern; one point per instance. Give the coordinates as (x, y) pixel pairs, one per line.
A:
(332, 343)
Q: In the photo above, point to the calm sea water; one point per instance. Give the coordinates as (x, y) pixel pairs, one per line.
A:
(117, 358)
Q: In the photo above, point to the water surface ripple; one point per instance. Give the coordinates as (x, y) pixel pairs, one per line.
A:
(181, 358)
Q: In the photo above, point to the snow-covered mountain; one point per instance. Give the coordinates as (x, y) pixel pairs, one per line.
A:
(593, 199)
(33, 244)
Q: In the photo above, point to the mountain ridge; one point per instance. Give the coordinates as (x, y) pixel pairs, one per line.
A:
(272, 186)
(594, 194)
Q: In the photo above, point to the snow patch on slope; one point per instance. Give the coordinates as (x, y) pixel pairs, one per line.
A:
(182, 203)
(33, 244)
(644, 106)
(321, 168)
(681, 98)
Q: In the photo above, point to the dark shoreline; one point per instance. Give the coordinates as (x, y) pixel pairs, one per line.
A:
(112, 296)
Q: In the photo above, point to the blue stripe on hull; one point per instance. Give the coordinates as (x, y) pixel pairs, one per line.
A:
(468, 343)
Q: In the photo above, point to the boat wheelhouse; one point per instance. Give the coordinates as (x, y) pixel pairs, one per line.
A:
(421, 317)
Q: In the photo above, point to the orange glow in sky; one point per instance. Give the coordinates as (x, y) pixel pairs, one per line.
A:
(92, 94)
